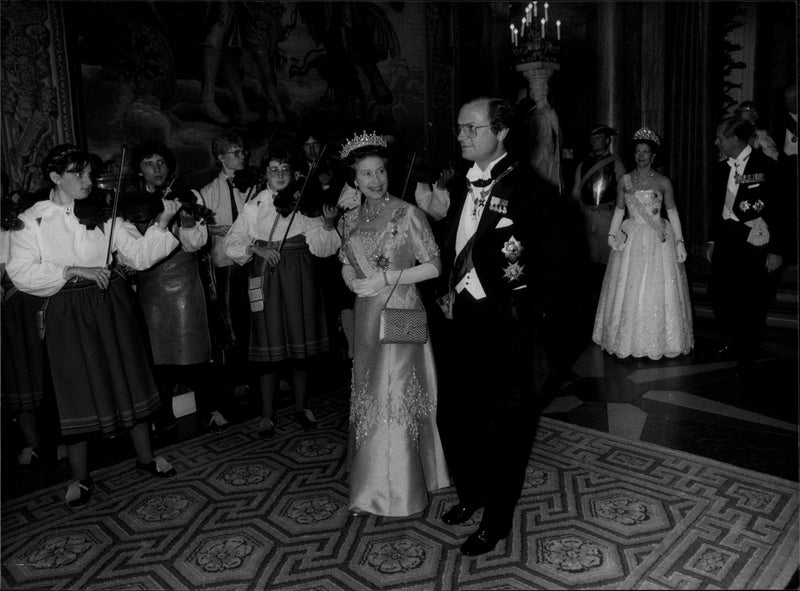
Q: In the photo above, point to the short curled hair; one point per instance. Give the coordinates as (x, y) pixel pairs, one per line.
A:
(357, 155)
(151, 148)
(223, 144)
(63, 158)
(736, 126)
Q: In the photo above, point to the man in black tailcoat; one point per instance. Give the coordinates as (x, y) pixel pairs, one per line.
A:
(499, 260)
(746, 245)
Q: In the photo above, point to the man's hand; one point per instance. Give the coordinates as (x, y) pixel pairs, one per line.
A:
(773, 262)
(708, 251)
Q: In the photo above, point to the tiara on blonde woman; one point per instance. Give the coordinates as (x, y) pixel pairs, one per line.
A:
(359, 141)
(645, 133)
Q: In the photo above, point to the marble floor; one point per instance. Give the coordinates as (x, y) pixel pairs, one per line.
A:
(693, 403)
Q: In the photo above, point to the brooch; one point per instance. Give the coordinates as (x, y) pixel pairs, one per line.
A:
(498, 205)
(512, 249)
(513, 271)
(755, 206)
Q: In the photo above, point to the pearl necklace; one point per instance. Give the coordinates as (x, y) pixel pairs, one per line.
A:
(368, 213)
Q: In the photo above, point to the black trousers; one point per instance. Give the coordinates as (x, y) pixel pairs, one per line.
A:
(739, 289)
(486, 414)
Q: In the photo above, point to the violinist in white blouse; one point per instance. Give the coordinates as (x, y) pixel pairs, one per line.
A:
(100, 370)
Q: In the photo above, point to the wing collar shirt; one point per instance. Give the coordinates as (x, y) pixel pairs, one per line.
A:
(259, 220)
(468, 224)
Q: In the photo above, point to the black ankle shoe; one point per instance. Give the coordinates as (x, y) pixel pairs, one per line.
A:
(483, 540)
(79, 492)
(158, 467)
(459, 514)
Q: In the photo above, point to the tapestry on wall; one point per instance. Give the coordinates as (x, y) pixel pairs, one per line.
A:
(184, 72)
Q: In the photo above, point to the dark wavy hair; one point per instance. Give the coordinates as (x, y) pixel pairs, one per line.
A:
(149, 148)
(281, 154)
(64, 158)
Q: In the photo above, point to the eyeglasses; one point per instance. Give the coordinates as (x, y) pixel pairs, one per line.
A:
(238, 153)
(279, 170)
(468, 129)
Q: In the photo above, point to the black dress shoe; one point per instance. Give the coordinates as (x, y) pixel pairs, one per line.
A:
(459, 514)
(725, 352)
(483, 540)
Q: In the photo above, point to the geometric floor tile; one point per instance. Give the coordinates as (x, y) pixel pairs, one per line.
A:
(243, 513)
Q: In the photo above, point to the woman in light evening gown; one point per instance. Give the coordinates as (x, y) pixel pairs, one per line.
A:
(395, 454)
(644, 308)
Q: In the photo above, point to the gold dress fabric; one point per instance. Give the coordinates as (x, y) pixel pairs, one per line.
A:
(395, 453)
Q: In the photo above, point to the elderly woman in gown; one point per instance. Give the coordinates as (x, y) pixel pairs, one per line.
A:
(395, 452)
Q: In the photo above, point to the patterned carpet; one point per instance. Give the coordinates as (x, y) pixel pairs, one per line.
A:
(597, 511)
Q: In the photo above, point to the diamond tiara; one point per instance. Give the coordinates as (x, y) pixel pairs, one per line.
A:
(645, 133)
(361, 140)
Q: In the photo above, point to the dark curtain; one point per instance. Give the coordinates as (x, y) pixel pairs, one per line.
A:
(690, 114)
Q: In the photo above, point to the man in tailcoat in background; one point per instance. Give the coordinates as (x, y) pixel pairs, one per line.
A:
(499, 261)
(746, 246)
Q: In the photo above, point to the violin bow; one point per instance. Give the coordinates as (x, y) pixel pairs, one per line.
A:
(114, 205)
(408, 176)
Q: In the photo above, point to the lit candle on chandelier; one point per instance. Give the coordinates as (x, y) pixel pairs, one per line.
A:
(542, 21)
(528, 12)
(535, 10)
(558, 30)
(512, 33)
(546, 5)
(524, 20)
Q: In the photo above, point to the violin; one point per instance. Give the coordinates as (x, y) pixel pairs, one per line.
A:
(189, 205)
(286, 199)
(94, 210)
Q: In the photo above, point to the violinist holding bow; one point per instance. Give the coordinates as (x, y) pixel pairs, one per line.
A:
(100, 371)
(171, 295)
(287, 320)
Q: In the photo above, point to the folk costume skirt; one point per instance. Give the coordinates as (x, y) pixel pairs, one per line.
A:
(292, 324)
(22, 351)
(100, 368)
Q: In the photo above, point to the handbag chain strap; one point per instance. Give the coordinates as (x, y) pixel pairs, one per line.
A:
(393, 288)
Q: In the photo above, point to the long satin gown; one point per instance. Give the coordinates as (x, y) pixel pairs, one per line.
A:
(395, 453)
(644, 308)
